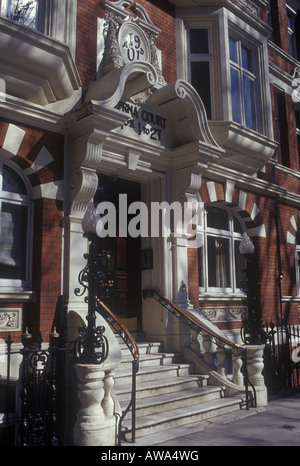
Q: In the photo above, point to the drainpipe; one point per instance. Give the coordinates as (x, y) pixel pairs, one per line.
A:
(280, 276)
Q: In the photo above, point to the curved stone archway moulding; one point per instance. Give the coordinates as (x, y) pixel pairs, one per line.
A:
(13, 140)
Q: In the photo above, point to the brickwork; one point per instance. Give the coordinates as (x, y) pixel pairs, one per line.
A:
(47, 264)
(38, 314)
(162, 14)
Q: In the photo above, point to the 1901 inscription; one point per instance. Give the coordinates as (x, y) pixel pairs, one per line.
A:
(133, 43)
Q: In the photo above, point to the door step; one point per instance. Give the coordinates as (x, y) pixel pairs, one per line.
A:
(168, 395)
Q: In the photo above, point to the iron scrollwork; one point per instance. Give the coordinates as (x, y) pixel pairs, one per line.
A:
(92, 345)
(252, 331)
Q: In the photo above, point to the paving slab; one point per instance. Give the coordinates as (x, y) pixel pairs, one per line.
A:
(278, 424)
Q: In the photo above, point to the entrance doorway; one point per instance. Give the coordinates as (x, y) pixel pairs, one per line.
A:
(125, 257)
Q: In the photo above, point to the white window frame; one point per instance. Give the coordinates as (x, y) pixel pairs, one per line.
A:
(243, 72)
(203, 234)
(257, 43)
(184, 58)
(57, 19)
(221, 24)
(38, 16)
(291, 13)
(19, 285)
(201, 57)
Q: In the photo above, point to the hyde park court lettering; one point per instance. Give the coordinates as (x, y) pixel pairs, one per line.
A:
(143, 122)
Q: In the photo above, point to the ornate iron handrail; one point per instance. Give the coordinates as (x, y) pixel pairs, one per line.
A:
(201, 328)
(130, 342)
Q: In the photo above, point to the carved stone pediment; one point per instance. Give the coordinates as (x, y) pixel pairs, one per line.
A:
(127, 35)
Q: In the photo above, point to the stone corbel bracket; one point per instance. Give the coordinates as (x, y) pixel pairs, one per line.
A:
(89, 128)
(180, 103)
(122, 83)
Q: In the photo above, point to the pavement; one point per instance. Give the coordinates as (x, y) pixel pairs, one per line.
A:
(277, 424)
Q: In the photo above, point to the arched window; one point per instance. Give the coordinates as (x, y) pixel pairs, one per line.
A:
(15, 228)
(221, 264)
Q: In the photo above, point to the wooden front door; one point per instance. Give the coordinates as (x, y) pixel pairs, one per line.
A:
(125, 264)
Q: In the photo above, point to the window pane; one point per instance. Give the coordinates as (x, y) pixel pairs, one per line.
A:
(217, 218)
(200, 80)
(218, 262)
(233, 50)
(22, 11)
(199, 41)
(247, 61)
(235, 96)
(239, 264)
(12, 181)
(13, 241)
(249, 103)
(237, 227)
(200, 266)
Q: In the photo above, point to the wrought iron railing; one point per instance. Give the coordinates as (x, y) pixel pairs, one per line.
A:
(130, 342)
(215, 337)
(41, 421)
(282, 357)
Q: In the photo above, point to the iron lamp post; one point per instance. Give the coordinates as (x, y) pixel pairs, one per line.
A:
(92, 345)
(252, 331)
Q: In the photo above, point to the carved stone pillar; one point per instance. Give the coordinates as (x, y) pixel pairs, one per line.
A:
(96, 423)
(90, 418)
(255, 366)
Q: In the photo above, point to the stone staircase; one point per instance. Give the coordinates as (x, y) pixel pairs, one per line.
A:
(169, 395)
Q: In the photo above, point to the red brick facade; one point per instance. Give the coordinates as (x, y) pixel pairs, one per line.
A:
(273, 254)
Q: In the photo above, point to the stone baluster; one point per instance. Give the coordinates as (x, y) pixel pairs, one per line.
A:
(255, 366)
(208, 350)
(108, 404)
(238, 378)
(221, 355)
(194, 342)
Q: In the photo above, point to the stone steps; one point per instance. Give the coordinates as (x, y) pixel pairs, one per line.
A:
(168, 393)
(150, 424)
